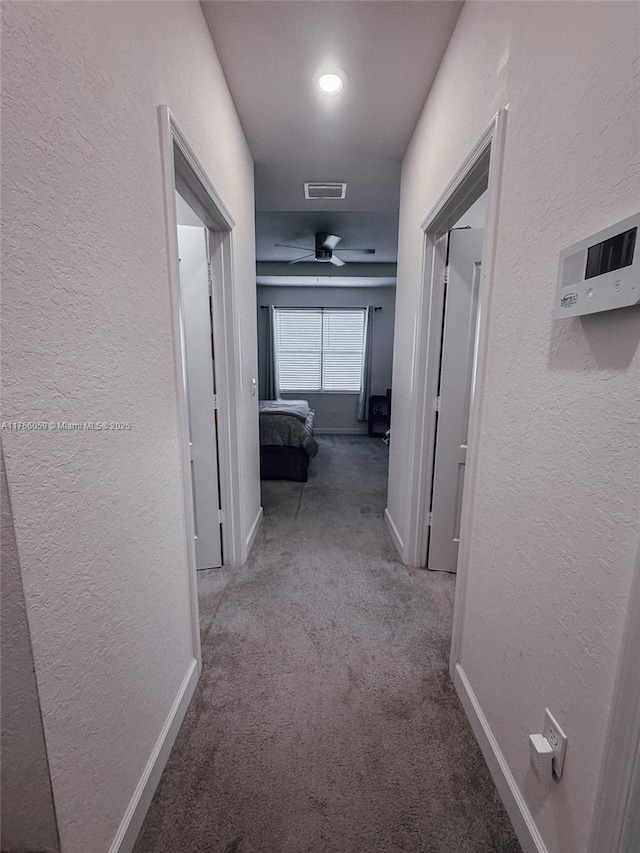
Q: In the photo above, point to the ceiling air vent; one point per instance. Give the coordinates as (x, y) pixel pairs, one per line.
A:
(317, 189)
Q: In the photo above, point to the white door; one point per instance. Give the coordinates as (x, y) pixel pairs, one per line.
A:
(200, 391)
(457, 368)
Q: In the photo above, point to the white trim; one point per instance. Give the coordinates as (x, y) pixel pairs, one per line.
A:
(220, 226)
(227, 361)
(623, 736)
(166, 148)
(427, 335)
(323, 280)
(254, 531)
(393, 530)
(496, 134)
(521, 818)
(141, 800)
(223, 218)
(347, 431)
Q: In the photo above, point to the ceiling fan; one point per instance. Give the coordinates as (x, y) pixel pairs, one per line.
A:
(325, 244)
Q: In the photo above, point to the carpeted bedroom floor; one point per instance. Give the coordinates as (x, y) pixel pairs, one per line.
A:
(325, 720)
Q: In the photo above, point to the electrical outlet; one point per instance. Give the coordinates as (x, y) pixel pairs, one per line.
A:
(557, 740)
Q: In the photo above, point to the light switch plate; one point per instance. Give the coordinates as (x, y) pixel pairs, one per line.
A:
(558, 740)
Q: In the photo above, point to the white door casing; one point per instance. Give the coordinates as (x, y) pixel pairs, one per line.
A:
(457, 369)
(200, 393)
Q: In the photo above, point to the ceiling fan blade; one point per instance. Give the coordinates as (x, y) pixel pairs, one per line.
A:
(303, 258)
(287, 246)
(336, 261)
(331, 241)
(362, 251)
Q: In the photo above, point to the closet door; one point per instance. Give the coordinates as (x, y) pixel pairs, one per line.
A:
(200, 390)
(457, 370)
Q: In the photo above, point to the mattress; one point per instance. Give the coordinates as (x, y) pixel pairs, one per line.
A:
(287, 423)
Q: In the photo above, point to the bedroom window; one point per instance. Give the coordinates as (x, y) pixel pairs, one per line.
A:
(319, 349)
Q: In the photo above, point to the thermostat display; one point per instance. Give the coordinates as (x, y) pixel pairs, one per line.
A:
(611, 254)
(600, 273)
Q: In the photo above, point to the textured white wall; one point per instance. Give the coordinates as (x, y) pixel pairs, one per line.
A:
(338, 411)
(555, 511)
(28, 816)
(87, 336)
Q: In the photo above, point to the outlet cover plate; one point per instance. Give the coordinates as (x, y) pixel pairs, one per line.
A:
(558, 740)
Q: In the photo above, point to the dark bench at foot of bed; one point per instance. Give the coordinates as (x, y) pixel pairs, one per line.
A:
(284, 463)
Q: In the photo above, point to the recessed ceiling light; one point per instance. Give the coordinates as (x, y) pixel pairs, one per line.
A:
(331, 83)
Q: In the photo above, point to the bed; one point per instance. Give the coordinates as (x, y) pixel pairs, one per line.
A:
(286, 439)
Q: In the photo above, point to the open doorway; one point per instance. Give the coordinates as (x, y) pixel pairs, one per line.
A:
(199, 238)
(330, 347)
(326, 316)
(334, 344)
(450, 373)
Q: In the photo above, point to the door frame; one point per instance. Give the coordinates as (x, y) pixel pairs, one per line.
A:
(181, 168)
(622, 745)
(483, 166)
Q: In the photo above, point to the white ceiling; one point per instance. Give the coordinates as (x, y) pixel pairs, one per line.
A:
(270, 51)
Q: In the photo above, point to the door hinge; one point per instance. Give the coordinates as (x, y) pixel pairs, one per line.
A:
(210, 278)
(437, 404)
(220, 516)
(215, 402)
(430, 519)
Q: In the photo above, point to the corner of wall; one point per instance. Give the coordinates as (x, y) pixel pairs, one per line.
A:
(138, 806)
(253, 532)
(28, 811)
(523, 822)
(395, 535)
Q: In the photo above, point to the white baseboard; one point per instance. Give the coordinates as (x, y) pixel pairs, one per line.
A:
(349, 431)
(393, 530)
(615, 802)
(141, 800)
(254, 531)
(521, 818)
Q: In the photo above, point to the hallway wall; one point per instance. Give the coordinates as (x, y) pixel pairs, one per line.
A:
(554, 514)
(88, 337)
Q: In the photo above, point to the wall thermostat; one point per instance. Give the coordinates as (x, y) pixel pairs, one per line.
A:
(601, 272)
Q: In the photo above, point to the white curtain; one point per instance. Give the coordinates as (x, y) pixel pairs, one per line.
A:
(272, 391)
(365, 387)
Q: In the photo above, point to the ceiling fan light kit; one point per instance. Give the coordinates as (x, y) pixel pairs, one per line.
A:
(325, 244)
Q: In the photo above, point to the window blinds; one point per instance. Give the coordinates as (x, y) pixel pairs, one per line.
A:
(319, 349)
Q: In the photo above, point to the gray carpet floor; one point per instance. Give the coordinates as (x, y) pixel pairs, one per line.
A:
(325, 720)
